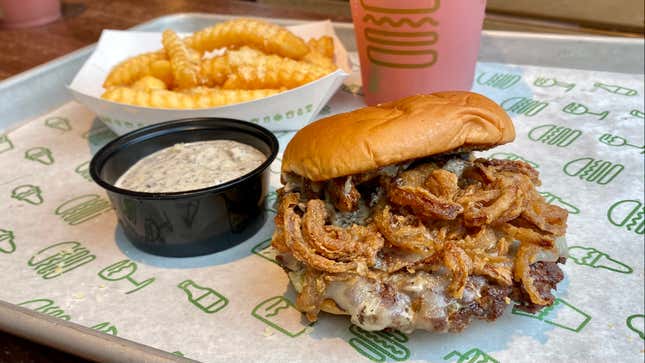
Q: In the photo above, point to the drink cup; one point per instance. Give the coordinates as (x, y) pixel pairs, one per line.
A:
(409, 47)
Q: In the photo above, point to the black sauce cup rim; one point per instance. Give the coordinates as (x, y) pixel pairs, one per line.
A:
(168, 127)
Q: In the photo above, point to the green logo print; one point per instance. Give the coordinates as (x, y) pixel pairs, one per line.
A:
(270, 202)
(636, 323)
(579, 109)
(512, 156)
(617, 90)
(554, 135)
(59, 258)
(266, 251)
(123, 270)
(178, 353)
(106, 327)
(47, 307)
(498, 80)
(28, 193)
(552, 82)
(84, 170)
(280, 314)
(629, 213)
(5, 144)
(523, 106)
(612, 140)
(475, 355)
(596, 171)
(567, 316)
(378, 346)
(589, 256)
(635, 113)
(40, 154)
(58, 123)
(99, 136)
(204, 298)
(7, 244)
(556, 200)
(80, 209)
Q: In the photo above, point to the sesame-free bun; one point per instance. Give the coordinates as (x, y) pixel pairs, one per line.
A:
(397, 131)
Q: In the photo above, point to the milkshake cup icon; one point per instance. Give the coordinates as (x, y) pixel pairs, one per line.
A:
(379, 346)
(615, 89)
(7, 245)
(554, 135)
(58, 123)
(280, 314)
(560, 314)
(589, 256)
(28, 193)
(40, 154)
(474, 355)
(636, 323)
(5, 144)
(204, 298)
(597, 171)
(629, 213)
(556, 200)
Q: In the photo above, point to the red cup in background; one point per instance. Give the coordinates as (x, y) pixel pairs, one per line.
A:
(28, 13)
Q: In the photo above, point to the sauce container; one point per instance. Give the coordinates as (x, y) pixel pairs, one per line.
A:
(187, 223)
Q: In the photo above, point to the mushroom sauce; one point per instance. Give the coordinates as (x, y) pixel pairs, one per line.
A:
(189, 166)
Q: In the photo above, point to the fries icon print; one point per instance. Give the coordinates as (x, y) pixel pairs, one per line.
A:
(474, 355)
(123, 270)
(589, 256)
(280, 314)
(379, 346)
(398, 36)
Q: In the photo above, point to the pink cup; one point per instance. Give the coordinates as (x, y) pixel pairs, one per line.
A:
(409, 47)
(28, 13)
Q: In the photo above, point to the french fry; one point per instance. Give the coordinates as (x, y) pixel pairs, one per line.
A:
(149, 83)
(180, 100)
(185, 68)
(214, 71)
(248, 68)
(132, 69)
(323, 45)
(161, 69)
(269, 38)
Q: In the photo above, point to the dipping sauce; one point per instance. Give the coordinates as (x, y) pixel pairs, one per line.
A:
(195, 165)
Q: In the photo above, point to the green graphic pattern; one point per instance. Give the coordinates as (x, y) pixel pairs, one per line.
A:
(106, 327)
(7, 243)
(59, 258)
(579, 109)
(379, 346)
(264, 250)
(47, 307)
(84, 170)
(635, 113)
(278, 312)
(596, 171)
(523, 106)
(615, 89)
(636, 324)
(5, 144)
(589, 256)
(278, 117)
(58, 123)
(123, 270)
(628, 213)
(203, 298)
(83, 208)
(498, 80)
(474, 355)
(28, 193)
(554, 135)
(40, 154)
(578, 319)
(552, 82)
(556, 200)
(613, 140)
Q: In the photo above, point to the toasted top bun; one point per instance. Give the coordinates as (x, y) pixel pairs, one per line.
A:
(393, 132)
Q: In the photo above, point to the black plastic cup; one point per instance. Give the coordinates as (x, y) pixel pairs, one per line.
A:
(195, 222)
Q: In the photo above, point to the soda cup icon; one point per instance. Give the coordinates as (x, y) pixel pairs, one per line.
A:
(597, 171)
(379, 345)
(204, 298)
(628, 213)
(589, 256)
(474, 355)
(554, 135)
(560, 314)
(280, 314)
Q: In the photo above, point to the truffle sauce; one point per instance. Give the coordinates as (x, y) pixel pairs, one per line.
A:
(191, 166)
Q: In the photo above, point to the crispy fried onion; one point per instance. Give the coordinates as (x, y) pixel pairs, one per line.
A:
(522, 272)
(406, 232)
(490, 168)
(356, 246)
(423, 203)
(344, 244)
(460, 265)
(312, 295)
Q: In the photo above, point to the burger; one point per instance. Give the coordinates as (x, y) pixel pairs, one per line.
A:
(386, 216)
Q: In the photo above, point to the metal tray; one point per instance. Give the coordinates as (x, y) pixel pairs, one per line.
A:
(42, 88)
